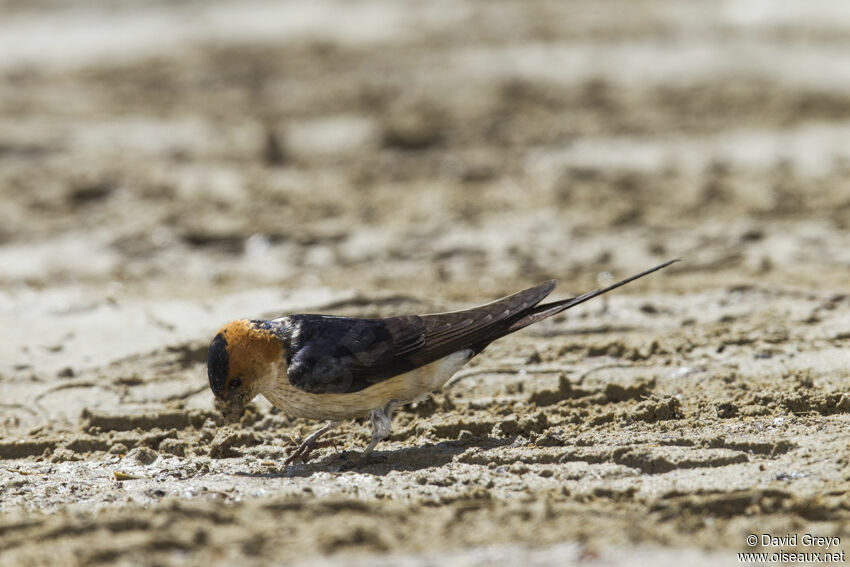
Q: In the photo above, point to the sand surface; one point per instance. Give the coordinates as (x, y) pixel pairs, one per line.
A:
(168, 167)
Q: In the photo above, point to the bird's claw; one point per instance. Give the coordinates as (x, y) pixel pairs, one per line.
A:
(303, 451)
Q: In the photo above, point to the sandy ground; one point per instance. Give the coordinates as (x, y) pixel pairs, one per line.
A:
(168, 167)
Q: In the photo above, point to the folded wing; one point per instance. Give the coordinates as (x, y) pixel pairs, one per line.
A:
(342, 354)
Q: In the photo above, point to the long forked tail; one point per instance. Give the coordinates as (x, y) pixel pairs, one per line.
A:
(540, 312)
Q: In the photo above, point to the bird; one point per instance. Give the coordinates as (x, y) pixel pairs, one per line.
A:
(333, 368)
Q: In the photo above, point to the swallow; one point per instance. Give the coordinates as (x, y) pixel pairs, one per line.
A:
(332, 368)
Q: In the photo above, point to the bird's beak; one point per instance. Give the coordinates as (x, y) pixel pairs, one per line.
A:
(231, 409)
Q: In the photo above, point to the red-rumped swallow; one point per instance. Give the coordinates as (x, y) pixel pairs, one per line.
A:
(335, 368)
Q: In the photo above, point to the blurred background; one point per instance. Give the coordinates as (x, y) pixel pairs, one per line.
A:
(455, 148)
(166, 166)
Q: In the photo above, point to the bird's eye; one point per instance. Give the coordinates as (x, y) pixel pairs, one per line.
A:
(236, 383)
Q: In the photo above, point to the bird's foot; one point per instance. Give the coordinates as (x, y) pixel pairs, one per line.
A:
(312, 442)
(303, 451)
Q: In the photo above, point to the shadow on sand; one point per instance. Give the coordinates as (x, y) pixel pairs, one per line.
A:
(379, 463)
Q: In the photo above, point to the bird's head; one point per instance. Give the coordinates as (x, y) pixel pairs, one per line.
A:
(243, 356)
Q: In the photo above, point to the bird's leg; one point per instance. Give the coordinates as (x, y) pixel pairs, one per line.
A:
(307, 446)
(381, 424)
